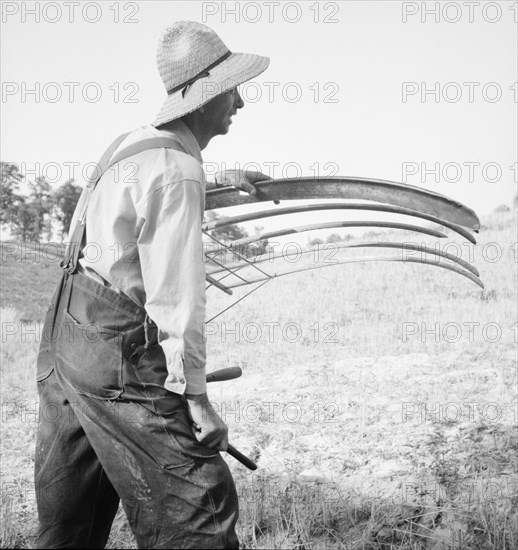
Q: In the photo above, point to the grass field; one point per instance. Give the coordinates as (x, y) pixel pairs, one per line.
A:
(379, 401)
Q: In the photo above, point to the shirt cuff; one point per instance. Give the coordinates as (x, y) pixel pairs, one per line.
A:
(196, 381)
(181, 380)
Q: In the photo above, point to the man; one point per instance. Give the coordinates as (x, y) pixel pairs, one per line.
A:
(122, 358)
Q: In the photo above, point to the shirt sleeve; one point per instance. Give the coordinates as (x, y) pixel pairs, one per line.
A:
(173, 272)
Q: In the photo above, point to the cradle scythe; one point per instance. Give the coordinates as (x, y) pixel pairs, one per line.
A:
(396, 198)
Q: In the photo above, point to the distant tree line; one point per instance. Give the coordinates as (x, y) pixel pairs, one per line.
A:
(333, 238)
(40, 212)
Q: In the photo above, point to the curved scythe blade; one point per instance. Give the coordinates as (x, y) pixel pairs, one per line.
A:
(398, 194)
(450, 267)
(329, 225)
(375, 244)
(223, 222)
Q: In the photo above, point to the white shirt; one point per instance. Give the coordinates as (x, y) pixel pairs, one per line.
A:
(144, 222)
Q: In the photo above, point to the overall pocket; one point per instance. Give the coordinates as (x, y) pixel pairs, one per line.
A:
(90, 358)
(98, 330)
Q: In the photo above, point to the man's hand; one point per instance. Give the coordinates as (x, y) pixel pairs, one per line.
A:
(208, 428)
(240, 179)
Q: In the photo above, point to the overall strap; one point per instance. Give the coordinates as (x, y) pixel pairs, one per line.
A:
(75, 245)
(139, 147)
(107, 155)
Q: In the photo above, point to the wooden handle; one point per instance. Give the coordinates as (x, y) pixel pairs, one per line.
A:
(224, 374)
(229, 374)
(250, 464)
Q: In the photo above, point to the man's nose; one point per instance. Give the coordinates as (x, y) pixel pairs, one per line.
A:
(239, 103)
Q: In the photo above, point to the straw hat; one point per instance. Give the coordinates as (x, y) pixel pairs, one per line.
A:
(196, 66)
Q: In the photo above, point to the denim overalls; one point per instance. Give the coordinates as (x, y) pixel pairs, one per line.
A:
(109, 430)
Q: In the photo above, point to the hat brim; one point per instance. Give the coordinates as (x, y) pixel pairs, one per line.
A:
(235, 70)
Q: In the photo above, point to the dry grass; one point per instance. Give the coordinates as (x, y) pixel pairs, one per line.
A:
(375, 441)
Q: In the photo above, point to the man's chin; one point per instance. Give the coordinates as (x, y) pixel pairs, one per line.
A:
(224, 129)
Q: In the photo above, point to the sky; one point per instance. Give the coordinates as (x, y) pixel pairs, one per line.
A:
(423, 93)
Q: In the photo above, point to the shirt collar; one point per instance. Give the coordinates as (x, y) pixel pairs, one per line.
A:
(179, 129)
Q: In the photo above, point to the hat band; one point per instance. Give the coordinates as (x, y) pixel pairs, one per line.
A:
(185, 85)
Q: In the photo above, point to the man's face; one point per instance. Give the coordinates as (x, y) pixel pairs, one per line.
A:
(218, 111)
